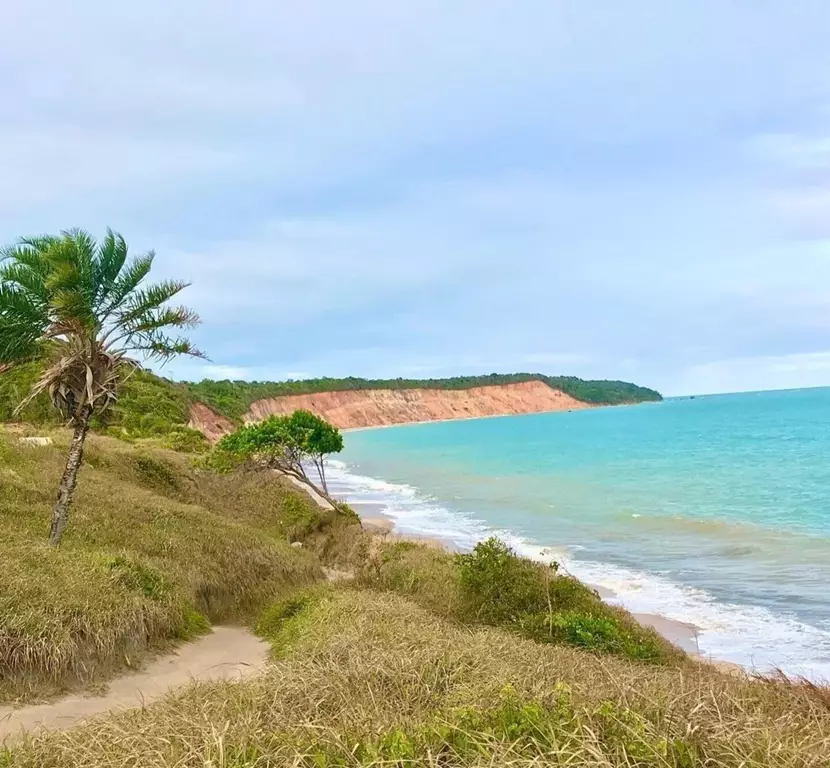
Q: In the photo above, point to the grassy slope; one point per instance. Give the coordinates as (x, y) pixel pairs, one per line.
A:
(368, 678)
(153, 551)
(425, 659)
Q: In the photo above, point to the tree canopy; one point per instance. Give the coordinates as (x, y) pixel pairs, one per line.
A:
(287, 443)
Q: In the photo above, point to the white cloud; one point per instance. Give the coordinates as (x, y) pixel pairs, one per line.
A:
(376, 187)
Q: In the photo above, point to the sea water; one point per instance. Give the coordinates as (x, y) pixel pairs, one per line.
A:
(713, 510)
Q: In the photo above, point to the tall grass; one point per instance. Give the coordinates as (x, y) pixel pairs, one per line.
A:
(370, 679)
(154, 551)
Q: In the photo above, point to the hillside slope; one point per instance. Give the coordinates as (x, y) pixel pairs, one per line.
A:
(369, 679)
(154, 552)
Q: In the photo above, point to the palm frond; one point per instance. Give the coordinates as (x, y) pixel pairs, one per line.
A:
(140, 303)
(29, 248)
(112, 255)
(23, 322)
(25, 278)
(126, 282)
(159, 346)
(165, 317)
(83, 297)
(70, 280)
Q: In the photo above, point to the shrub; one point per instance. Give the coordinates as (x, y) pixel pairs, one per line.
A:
(186, 440)
(498, 586)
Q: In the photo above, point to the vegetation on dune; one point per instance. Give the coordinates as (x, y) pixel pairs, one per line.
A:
(80, 305)
(426, 658)
(159, 550)
(371, 679)
(493, 585)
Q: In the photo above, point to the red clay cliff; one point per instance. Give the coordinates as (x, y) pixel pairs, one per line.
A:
(378, 407)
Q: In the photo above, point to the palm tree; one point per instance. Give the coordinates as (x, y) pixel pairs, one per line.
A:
(81, 304)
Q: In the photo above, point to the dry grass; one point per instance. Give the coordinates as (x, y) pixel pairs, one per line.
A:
(373, 679)
(152, 553)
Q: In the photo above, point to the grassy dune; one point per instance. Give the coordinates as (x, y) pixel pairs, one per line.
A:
(423, 659)
(369, 678)
(155, 551)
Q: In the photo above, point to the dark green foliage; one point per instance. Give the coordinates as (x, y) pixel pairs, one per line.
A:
(149, 405)
(286, 443)
(500, 588)
(15, 385)
(186, 440)
(493, 585)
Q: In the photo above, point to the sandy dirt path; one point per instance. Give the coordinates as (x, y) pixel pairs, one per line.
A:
(226, 653)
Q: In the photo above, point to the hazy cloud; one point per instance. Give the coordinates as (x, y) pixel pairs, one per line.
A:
(423, 189)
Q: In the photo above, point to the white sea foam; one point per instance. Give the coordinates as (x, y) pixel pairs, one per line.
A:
(750, 635)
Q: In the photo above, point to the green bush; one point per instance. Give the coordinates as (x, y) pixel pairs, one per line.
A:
(498, 586)
(139, 577)
(186, 440)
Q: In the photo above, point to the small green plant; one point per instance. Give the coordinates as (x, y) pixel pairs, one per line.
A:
(156, 473)
(186, 440)
(282, 623)
(194, 623)
(498, 587)
(138, 577)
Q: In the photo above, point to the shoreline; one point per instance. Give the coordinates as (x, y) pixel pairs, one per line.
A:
(346, 430)
(584, 407)
(682, 634)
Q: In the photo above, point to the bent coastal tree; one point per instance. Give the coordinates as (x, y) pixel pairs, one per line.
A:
(81, 305)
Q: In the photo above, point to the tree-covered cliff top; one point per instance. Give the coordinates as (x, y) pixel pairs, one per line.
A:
(233, 398)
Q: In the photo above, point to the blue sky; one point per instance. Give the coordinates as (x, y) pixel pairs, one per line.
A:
(636, 190)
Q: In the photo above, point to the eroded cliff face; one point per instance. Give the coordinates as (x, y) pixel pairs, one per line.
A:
(214, 426)
(376, 407)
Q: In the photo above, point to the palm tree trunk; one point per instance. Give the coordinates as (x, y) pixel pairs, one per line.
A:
(60, 512)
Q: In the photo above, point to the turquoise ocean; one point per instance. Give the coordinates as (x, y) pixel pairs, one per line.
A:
(713, 510)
